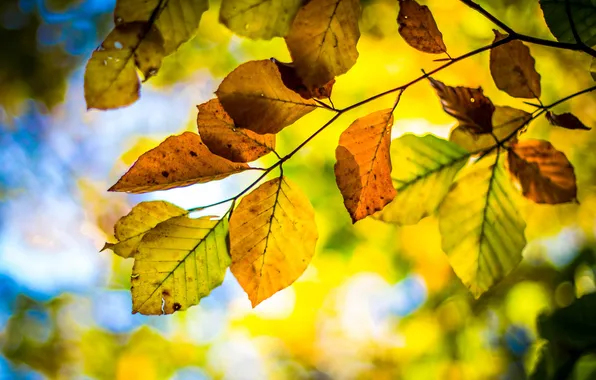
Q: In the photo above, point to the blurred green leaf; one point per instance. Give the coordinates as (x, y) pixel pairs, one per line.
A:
(583, 13)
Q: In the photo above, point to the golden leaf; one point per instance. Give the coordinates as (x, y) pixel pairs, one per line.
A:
(418, 27)
(259, 18)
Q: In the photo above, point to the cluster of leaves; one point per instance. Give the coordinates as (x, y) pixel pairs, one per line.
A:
(268, 239)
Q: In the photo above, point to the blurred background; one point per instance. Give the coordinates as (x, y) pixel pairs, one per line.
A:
(377, 302)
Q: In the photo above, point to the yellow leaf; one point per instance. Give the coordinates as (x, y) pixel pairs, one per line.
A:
(178, 263)
(181, 160)
(218, 132)
(418, 27)
(482, 232)
(272, 238)
(513, 69)
(255, 96)
(177, 20)
(111, 79)
(259, 18)
(544, 174)
(507, 121)
(363, 167)
(323, 38)
(131, 228)
(423, 169)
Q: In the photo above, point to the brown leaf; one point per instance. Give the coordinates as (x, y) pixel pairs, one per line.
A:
(218, 132)
(255, 96)
(178, 161)
(513, 69)
(566, 120)
(544, 174)
(292, 81)
(468, 105)
(323, 39)
(418, 27)
(363, 167)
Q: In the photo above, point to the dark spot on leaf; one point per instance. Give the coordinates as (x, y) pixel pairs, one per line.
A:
(177, 306)
(165, 174)
(193, 153)
(165, 293)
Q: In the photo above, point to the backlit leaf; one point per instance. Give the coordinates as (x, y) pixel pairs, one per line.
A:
(131, 228)
(178, 161)
(255, 97)
(178, 263)
(292, 81)
(272, 238)
(469, 106)
(593, 68)
(482, 231)
(418, 27)
(363, 167)
(177, 20)
(218, 132)
(513, 69)
(111, 79)
(544, 174)
(565, 120)
(423, 169)
(259, 18)
(507, 121)
(323, 38)
(583, 13)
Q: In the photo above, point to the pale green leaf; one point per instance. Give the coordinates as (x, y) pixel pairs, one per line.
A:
(482, 230)
(259, 18)
(423, 169)
(178, 263)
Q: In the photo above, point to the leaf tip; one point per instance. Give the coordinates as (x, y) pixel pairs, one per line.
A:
(107, 246)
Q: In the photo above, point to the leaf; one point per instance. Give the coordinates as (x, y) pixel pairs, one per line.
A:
(111, 79)
(513, 69)
(131, 228)
(291, 80)
(178, 263)
(323, 39)
(363, 167)
(256, 98)
(423, 169)
(178, 161)
(506, 122)
(259, 18)
(177, 20)
(583, 13)
(574, 326)
(482, 231)
(544, 174)
(272, 238)
(218, 132)
(469, 106)
(565, 120)
(593, 68)
(418, 28)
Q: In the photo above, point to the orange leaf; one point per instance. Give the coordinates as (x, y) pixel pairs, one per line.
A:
(255, 96)
(178, 161)
(418, 27)
(218, 132)
(544, 174)
(363, 167)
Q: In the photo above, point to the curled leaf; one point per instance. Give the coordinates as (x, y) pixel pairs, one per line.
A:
(469, 106)
(272, 238)
(178, 161)
(418, 27)
(513, 69)
(259, 18)
(323, 38)
(218, 132)
(566, 120)
(131, 228)
(544, 174)
(255, 96)
(363, 167)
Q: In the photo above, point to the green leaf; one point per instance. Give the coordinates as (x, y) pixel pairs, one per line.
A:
(177, 20)
(423, 169)
(131, 228)
(482, 231)
(178, 263)
(259, 18)
(583, 13)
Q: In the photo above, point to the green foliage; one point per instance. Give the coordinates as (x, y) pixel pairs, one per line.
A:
(562, 16)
